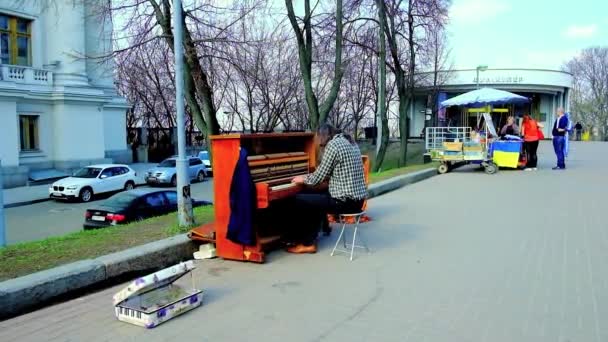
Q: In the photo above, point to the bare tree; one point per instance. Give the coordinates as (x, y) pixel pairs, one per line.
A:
(148, 88)
(590, 91)
(304, 36)
(415, 19)
(262, 77)
(438, 56)
(207, 31)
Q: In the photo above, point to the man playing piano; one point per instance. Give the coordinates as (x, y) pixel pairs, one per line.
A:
(342, 164)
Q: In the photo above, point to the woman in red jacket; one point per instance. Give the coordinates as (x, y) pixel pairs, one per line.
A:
(532, 133)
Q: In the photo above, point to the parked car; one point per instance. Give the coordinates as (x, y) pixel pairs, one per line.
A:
(166, 171)
(133, 205)
(92, 180)
(204, 156)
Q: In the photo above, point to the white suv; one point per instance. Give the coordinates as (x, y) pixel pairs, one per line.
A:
(92, 180)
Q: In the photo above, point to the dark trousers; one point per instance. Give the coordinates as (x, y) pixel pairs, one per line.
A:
(312, 210)
(559, 143)
(530, 147)
(578, 135)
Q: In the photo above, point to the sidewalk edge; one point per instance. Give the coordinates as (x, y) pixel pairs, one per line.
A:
(24, 203)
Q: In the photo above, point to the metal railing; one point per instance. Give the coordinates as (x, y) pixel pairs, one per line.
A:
(436, 136)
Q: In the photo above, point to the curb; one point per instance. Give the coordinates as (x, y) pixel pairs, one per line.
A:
(29, 292)
(25, 293)
(21, 204)
(397, 182)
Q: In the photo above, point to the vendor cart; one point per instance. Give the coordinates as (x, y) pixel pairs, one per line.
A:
(453, 146)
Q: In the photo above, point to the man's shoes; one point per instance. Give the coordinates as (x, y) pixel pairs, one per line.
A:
(528, 169)
(302, 249)
(558, 168)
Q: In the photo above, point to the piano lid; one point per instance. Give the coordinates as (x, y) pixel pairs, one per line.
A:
(154, 280)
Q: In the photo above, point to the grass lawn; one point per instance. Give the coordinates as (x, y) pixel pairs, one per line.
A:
(29, 257)
(415, 152)
(390, 167)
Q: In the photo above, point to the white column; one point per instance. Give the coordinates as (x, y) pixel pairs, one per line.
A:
(9, 134)
(65, 41)
(98, 44)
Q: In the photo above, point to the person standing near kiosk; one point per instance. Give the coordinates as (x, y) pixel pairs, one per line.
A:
(560, 128)
(578, 128)
(532, 133)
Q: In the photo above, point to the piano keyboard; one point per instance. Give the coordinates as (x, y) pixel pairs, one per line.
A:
(283, 186)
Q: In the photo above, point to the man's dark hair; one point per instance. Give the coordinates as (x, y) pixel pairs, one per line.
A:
(326, 133)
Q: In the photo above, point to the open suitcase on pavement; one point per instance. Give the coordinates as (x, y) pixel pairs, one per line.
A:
(151, 300)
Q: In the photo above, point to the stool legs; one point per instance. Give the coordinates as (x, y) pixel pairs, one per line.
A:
(352, 247)
(342, 237)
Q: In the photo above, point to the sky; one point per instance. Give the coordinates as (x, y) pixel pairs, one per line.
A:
(524, 33)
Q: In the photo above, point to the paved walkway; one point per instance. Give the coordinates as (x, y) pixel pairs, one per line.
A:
(461, 257)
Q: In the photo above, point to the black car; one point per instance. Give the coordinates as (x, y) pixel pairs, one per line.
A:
(133, 205)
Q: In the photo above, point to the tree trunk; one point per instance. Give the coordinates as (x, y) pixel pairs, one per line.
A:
(338, 72)
(317, 115)
(381, 105)
(196, 83)
(404, 105)
(409, 100)
(402, 90)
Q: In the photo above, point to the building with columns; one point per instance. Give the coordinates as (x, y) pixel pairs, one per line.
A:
(59, 107)
(546, 89)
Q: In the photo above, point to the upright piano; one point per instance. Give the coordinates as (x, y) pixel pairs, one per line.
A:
(274, 159)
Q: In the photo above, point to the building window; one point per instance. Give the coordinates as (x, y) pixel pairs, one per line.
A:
(15, 41)
(28, 127)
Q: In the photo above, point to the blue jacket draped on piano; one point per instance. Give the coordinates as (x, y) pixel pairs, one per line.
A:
(242, 204)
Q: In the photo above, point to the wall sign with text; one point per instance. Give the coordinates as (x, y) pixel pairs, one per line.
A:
(499, 79)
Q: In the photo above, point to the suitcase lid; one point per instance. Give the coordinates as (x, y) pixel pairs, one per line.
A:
(152, 281)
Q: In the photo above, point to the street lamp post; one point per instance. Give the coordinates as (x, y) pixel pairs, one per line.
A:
(480, 68)
(184, 202)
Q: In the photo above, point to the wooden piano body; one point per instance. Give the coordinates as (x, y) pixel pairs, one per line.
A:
(274, 159)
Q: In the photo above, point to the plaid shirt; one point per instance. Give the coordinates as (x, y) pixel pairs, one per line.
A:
(343, 165)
